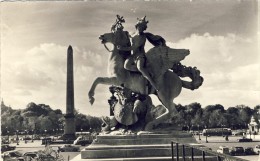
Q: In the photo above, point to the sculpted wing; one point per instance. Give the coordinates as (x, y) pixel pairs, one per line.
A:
(162, 58)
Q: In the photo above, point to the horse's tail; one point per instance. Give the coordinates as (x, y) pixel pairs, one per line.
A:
(192, 72)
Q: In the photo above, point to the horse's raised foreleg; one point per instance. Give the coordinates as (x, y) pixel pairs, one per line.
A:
(101, 80)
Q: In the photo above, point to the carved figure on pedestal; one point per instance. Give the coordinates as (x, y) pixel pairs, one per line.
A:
(127, 117)
(156, 69)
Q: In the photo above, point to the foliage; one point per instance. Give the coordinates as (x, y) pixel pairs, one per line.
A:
(41, 118)
(215, 116)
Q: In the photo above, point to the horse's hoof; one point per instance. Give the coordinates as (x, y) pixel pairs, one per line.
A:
(91, 100)
(90, 94)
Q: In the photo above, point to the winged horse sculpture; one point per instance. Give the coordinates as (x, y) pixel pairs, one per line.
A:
(163, 64)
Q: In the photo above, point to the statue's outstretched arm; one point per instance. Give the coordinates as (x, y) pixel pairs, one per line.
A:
(155, 39)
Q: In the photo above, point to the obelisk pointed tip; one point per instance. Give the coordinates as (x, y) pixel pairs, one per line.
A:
(70, 49)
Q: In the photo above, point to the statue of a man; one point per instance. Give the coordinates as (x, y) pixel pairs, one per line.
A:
(136, 62)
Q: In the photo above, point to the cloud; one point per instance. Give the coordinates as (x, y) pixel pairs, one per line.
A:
(22, 92)
(223, 52)
(229, 65)
(5, 30)
(40, 76)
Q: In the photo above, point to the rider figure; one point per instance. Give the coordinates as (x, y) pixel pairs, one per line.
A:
(137, 60)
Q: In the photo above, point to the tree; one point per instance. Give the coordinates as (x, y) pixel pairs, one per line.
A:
(95, 123)
(192, 108)
(257, 108)
(232, 116)
(211, 108)
(214, 119)
(179, 119)
(45, 123)
(197, 120)
(39, 110)
(245, 114)
(58, 112)
(179, 107)
(233, 110)
(16, 122)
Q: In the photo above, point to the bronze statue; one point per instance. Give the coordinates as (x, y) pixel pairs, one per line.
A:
(156, 72)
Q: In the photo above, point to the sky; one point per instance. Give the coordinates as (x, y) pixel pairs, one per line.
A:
(221, 35)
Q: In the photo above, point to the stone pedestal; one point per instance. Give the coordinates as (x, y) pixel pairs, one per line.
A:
(69, 126)
(152, 145)
(145, 139)
(69, 129)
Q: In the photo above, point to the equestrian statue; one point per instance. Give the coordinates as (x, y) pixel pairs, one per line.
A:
(135, 74)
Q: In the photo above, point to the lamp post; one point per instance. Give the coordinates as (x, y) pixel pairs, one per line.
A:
(6, 129)
(32, 135)
(81, 130)
(206, 134)
(25, 131)
(45, 137)
(8, 136)
(222, 129)
(199, 131)
(53, 134)
(17, 138)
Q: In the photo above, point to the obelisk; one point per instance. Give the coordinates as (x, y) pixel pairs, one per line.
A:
(69, 129)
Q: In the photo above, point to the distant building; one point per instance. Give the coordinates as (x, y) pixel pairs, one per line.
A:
(3, 106)
(254, 124)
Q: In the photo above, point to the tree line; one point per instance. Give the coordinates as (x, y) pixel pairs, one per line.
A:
(193, 116)
(41, 118)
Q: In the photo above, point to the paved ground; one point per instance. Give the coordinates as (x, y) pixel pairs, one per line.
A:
(36, 145)
(214, 142)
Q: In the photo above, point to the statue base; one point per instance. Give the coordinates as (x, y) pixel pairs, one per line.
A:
(140, 145)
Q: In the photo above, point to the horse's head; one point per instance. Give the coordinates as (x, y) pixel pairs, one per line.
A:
(107, 37)
(117, 38)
